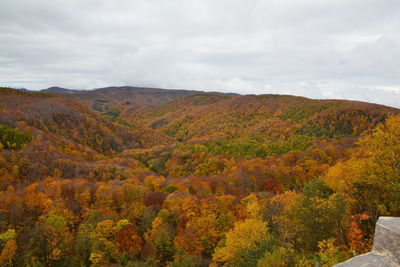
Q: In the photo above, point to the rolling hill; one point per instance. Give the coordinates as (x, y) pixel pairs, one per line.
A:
(263, 117)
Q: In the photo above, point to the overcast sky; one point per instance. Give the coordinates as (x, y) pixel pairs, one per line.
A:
(315, 48)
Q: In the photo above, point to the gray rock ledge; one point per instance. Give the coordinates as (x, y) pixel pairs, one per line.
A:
(386, 249)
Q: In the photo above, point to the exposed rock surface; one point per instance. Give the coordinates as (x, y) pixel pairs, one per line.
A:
(386, 250)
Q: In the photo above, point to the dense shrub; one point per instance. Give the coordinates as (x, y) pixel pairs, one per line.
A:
(11, 138)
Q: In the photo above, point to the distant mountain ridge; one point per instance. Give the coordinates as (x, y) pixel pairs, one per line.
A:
(56, 89)
(125, 99)
(189, 115)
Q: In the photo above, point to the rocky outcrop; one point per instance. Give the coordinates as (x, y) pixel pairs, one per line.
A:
(386, 249)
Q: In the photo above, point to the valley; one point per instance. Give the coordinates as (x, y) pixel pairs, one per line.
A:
(130, 176)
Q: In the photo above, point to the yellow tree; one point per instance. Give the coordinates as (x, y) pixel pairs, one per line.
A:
(159, 238)
(246, 243)
(244, 235)
(8, 253)
(8, 247)
(372, 175)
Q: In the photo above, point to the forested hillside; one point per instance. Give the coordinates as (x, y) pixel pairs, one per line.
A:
(151, 177)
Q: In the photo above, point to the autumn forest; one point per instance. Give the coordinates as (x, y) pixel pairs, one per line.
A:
(128, 176)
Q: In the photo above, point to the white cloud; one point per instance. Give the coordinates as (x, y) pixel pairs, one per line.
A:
(320, 49)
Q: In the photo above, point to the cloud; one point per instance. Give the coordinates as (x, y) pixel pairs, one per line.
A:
(319, 49)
